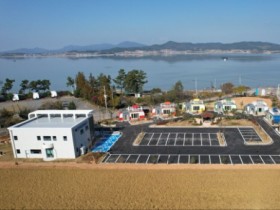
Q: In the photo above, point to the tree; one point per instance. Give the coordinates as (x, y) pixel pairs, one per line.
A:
(240, 90)
(71, 83)
(120, 80)
(134, 81)
(227, 88)
(176, 94)
(8, 85)
(24, 85)
(83, 88)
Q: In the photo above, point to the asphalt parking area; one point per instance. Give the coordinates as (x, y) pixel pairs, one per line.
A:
(179, 139)
(191, 159)
(249, 134)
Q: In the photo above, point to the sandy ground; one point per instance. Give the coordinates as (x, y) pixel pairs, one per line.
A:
(247, 100)
(124, 186)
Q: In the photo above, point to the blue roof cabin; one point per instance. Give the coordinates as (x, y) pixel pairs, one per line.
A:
(273, 116)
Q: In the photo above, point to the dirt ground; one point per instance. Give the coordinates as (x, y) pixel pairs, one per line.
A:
(124, 186)
(242, 101)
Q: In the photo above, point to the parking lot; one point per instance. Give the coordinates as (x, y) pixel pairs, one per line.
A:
(249, 134)
(191, 159)
(179, 139)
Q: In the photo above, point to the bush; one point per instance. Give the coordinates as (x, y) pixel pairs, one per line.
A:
(72, 106)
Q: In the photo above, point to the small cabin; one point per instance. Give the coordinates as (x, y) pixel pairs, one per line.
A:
(258, 107)
(165, 109)
(36, 95)
(133, 113)
(15, 97)
(273, 116)
(195, 106)
(53, 94)
(226, 105)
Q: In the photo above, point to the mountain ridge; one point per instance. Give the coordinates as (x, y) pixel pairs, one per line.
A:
(105, 48)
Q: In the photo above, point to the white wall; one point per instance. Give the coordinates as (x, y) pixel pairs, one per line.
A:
(27, 140)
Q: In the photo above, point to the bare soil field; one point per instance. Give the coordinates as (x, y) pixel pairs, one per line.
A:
(90, 186)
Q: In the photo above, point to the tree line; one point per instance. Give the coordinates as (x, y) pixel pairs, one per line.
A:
(102, 88)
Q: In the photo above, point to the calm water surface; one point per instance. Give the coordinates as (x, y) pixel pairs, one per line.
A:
(162, 72)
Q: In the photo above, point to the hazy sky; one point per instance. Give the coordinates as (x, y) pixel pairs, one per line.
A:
(53, 24)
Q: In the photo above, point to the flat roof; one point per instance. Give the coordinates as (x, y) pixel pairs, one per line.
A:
(45, 122)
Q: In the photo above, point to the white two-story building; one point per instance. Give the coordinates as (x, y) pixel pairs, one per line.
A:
(52, 134)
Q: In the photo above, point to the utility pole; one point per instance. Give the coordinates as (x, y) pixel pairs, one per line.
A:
(105, 97)
(195, 82)
(240, 81)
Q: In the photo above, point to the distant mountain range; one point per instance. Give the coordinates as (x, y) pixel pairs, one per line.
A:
(137, 49)
(76, 48)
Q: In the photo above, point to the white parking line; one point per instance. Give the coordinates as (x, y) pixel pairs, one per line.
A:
(192, 138)
(159, 138)
(251, 159)
(117, 158)
(176, 137)
(209, 159)
(184, 139)
(150, 139)
(210, 141)
(241, 159)
(220, 159)
(178, 159)
(272, 159)
(137, 159)
(262, 159)
(148, 159)
(230, 160)
(167, 139)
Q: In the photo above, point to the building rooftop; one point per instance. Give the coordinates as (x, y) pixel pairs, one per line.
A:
(54, 119)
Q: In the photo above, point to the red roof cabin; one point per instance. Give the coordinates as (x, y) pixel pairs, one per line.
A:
(132, 113)
(165, 109)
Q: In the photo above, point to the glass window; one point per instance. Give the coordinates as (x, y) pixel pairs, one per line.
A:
(18, 151)
(54, 138)
(134, 116)
(65, 138)
(86, 127)
(39, 138)
(166, 111)
(15, 138)
(196, 108)
(81, 131)
(47, 138)
(35, 151)
(49, 153)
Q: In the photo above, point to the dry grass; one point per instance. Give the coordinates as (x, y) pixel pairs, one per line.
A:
(246, 100)
(139, 138)
(50, 188)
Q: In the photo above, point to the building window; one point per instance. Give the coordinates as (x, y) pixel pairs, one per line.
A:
(15, 138)
(47, 138)
(86, 127)
(65, 138)
(35, 151)
(54, 138)
(81, 131)
(39, 138)
(166, 111)
(18, 151)
(134, 116)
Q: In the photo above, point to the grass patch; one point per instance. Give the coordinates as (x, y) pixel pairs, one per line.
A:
(139, 138)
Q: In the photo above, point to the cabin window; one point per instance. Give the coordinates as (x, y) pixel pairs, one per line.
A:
(227, 108)
(196, 108)
(86, 127)
(15, 138)
(135, 116)
(36, 151)
(47, 138)
(166, 111)
(54, 138)
(18, 151)
(39, 138)
(80, 115)
(260, 109)
(65, 138)
(81, 131)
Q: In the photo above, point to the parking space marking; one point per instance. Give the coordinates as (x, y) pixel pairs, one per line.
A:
(192, 159)
(272, 159)
(249, 134)
(180, 139)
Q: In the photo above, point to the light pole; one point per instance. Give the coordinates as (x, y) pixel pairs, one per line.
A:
(105, 97)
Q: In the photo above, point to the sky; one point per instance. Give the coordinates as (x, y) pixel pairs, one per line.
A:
(53, 24)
